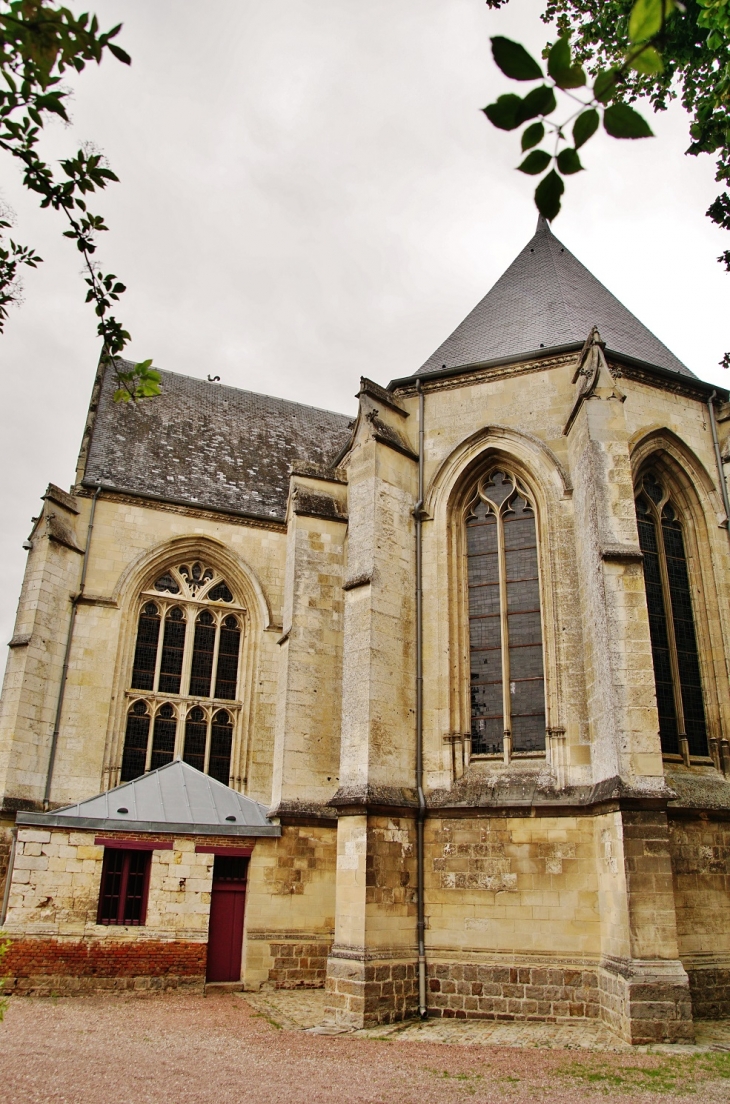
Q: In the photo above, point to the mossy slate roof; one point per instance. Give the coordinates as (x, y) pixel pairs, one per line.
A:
(209, 445)
(547, 298)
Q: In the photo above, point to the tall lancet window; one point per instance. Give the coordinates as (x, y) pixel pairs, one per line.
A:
(505, 630)
(186, 666)
(682, 727)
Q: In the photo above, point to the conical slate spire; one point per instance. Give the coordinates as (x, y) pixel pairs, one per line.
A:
(547, 298)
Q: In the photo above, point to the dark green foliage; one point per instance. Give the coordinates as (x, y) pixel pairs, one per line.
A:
(547, 195)
(585, 126)
(621, 121)
(514, 60)
(568, 162)
(39, 42)
(532, 135)
(535, 162)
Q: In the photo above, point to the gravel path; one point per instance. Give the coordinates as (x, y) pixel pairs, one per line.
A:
(184, 1049)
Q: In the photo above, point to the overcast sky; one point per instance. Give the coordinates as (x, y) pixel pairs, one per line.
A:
(309, 193)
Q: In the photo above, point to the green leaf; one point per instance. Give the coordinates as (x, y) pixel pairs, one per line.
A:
(648, 61)
(621, 121)
(534, 134)
(514, 60)
(605, 85)
(540, 101)
(535, 162)
(647, 17)
(584, 127)
(547, 195)
(560, 69)
(569, 162)
(505, 112)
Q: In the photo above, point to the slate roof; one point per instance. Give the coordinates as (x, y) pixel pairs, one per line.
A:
(547, 298)
(209, 445)
(173, 798)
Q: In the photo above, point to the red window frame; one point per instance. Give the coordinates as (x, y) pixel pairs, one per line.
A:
(125, 884)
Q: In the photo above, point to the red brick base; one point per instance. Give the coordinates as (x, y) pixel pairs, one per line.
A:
(35, 965)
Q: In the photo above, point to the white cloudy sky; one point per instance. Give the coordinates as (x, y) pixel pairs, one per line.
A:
(308, 194)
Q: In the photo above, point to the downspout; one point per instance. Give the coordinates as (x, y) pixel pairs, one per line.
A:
(718, 458)
(8, 877)
(66, 656)
(421, 815)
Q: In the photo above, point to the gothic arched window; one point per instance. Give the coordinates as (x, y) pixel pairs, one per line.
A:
(186, 659)
(682, 726)
(505, 628)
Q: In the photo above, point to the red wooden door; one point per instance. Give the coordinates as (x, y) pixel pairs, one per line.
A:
(225, 931)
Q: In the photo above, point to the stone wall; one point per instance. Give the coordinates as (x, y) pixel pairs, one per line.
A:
(290, 908)
(700, 852)
(501, 992)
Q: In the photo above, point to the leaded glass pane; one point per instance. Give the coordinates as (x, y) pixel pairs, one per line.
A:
(658, 632)
(221, 741)
(163, 737)
(145, 652)
(487, 721)
(173, 645)
(203, 647)
(227, 670)
(196, 732)
(684, 633)
(134, 757)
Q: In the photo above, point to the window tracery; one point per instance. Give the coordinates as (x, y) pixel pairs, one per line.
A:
(680, 700)
(185, 666)
(505, 629)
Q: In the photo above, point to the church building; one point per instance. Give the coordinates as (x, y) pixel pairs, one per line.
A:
(429, 708)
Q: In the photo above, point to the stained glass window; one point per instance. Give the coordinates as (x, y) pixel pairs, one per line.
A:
(187, 646)
(671, 622)
(505, 631)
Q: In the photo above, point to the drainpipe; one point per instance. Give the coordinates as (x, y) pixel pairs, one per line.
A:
(718, 458)
(66, 656)
(421, 815)
(8, 877)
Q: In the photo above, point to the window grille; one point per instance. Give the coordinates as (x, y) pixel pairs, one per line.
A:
(173, 645)
(505, 629)
(124, 887)
(230, 642)
(135, 742)
(163, 738)
(682, 726)
(221, 740)
(196, 737)
(203, 653)
(145, 653)
(188, 647)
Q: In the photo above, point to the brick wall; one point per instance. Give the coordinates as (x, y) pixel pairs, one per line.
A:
(37, 965)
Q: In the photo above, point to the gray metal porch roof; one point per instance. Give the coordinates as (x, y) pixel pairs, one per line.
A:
(175, 798)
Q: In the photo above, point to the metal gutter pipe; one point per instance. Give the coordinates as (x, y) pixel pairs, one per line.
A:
(718, 458)
(421, 815)
(67, 654)
(8, 877)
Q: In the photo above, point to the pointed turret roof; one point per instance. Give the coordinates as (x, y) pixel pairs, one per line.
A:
(547, 298)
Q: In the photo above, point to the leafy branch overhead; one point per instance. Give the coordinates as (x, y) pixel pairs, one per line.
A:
(39, 42)
(510, 111)
(608, 54)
